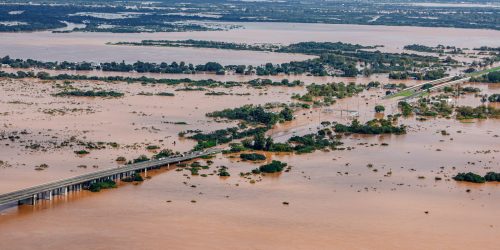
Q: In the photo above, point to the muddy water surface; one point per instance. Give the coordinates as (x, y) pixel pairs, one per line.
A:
(92, 46)
(372, 196)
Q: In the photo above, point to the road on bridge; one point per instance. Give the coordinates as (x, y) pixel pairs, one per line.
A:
(112, 173)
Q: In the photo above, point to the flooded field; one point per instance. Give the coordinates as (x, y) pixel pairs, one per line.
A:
(375, 192)
(348, 199)
(92, 46)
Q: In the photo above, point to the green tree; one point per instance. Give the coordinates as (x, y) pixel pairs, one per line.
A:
(379, 108)
(259, 141)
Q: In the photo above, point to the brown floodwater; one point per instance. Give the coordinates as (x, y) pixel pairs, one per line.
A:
(92, 46)
(335, 200)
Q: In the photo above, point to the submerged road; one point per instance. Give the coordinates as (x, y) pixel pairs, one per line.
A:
(62, 187)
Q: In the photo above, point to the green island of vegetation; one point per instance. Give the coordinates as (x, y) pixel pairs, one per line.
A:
(134, 177)
(254, 114)
(90, 93)
(475, 178)
(494, 98)
(253, 157)
(480, 112)
(329, 92)
(273, 167)
(310, 48)
(98, 186)
(375, 126)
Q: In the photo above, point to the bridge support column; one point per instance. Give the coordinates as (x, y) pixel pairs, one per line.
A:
(65, 191)
(145, 172)
(50, 195)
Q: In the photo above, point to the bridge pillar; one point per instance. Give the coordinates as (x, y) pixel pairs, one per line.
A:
(50, 195)
(145, 172)
(65, 191)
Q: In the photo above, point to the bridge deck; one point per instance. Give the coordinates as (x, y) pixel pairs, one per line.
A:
(80, 179)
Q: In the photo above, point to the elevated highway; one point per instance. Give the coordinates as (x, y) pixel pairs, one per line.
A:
(62, 187)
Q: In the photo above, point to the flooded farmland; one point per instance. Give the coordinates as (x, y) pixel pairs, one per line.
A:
(375, 192)
(92, 47)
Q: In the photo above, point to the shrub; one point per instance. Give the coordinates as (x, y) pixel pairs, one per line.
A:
(492, 176)
(379, 108)
(273, 167)
(253, 157)
(82, 152)
(96, 187)
(134, 177)
(469, 177)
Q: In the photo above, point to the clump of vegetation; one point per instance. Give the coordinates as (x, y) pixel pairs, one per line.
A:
(494, 98)
(406, 108)
(375, 126)
(329, 92)
(423, 48)
(194, 170)
(235, 148)
(481, 112)
(152, 147)
(165, 94)
(82, 152)
(141, 158)
(121, 159)
(38, 168)
(431, 74)
(223, 172)
(379, 108)
(97, 186)
(492, 176)
(253, 157)
(187, 88)
(469, 177)
(255, 114)
(300, 144)
(273, 167)
(90, 93)
(475, 178)
(133, 177)
(223, 136)
(164, 153)
(309, 143)
(435, 108)
(469, 89)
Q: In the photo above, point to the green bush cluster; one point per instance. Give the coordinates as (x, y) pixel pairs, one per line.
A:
(97, 186)
(375, 126)
(90, 93)
(253, 157)
(273, 167)
(475, 178)
(133, 177)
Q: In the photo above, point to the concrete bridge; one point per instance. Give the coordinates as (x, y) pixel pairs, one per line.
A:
(434, 82)
(416, 91)
(62, 187)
